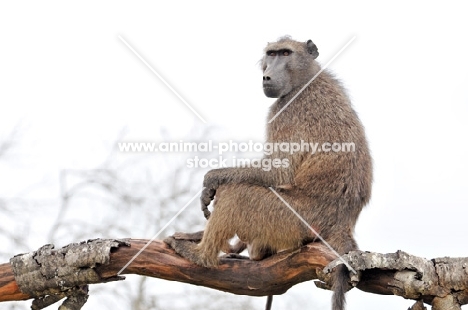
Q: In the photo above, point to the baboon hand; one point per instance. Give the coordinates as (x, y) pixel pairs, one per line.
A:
(213, 179)
(211, 183)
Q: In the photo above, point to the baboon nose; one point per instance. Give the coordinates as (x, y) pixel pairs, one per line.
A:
(266, 78)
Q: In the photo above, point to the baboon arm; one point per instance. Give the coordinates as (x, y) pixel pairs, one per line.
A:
(216, 177)
(257, 176)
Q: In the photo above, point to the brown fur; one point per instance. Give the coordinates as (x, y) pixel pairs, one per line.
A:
(328, 190)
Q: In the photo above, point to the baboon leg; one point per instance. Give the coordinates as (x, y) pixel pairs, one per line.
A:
(238, 247)
(249, 216)
(258, 252)
(234, 250)
(342, 240)
(206, 252)
(218, 231)
(263, 221)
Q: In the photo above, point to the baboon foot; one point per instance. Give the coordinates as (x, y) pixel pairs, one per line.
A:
(234, 256)
(189, 250)
(195, 237)
(184, 248)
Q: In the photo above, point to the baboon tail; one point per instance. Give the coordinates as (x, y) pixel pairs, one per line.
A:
(269, 302)
(340, 286)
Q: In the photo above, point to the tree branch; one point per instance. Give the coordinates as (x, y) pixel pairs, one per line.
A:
(46, 272)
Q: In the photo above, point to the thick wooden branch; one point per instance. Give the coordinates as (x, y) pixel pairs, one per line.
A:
(274, 275)
(439, 282)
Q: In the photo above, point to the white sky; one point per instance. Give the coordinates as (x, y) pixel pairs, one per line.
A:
(72, 85)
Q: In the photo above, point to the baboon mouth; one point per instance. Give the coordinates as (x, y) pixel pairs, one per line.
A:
(271, 92)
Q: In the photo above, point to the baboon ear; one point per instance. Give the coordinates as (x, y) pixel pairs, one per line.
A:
(312, 49)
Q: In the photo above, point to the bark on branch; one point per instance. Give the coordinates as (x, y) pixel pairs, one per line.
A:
(48, 274)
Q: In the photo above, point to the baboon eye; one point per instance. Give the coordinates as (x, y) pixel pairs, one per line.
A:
(286, 53)
(271, 53)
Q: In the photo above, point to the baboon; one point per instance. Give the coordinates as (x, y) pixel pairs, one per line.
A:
(326, 188)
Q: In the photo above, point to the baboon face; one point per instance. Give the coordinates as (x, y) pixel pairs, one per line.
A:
(287, 64)
(276, 77)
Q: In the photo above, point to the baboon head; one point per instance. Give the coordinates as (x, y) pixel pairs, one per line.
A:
(288, 64)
